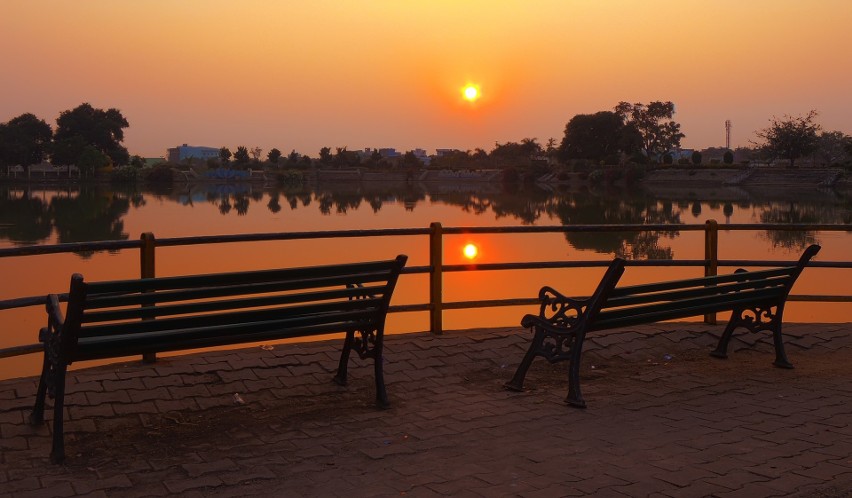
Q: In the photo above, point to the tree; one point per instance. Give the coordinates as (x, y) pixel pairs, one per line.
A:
(137, 161)
(274, 155)
(224, 155)
(241, 156)
(728, 157)
(791, 137)
(410, 160)
(659, 134)
(24, 140)
(833, 147)
(85, 125)
(293, 158)
(325, 155)
(516, 153)
(255, 153)
(91, 160)
(599, 137)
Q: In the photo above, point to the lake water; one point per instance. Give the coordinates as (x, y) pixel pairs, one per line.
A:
(49, 215)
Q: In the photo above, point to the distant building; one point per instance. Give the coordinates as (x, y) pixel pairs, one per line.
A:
(178, 154)
(444, 152)
(389, 153)
(421, 154)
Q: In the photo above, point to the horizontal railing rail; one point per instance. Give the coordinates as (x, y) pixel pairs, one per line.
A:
(148, 243)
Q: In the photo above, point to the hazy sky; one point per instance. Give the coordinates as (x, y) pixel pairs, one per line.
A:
(388, 73)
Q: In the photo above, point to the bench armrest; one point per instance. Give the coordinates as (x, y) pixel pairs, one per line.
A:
(55, 319)
(556, 309)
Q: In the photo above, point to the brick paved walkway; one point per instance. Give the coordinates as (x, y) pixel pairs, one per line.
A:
(664, 419)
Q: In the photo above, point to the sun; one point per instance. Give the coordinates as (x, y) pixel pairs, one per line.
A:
(470, 251)
(471, 92)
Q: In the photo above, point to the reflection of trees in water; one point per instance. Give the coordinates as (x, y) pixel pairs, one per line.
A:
(95, 212)
(792, 212)
(92, 215)
(527, 205)
(596, 210)
(24, 219)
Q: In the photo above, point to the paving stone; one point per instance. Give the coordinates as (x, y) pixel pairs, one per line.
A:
(184, 485)
(691, 427)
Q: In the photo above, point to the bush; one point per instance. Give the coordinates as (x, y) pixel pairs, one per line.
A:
(696, 158)
(728, 158)
(289, 177)
(511, 175)
(668, 159)
(633, 174)
(596, 177)
(125, 174)
(160, 174)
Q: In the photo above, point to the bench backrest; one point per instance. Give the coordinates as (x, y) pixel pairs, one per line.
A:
(648, 303)
(129, 317)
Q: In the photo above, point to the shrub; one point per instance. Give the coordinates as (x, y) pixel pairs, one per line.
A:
(160, 174)
(696, 158)
(124, 174)
(289, 177)
(668, 159)
(728, 157)
(596, 177)
(511, 175)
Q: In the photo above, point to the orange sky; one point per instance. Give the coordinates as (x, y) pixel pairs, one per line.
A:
(388, 73)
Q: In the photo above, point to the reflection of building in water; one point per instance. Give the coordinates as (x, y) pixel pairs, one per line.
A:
(178, 154)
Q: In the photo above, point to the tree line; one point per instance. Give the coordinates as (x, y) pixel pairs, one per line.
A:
(630, 133)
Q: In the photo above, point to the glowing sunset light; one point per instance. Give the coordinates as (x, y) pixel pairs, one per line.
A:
(470, 251)
(471, 93)
(521, 69)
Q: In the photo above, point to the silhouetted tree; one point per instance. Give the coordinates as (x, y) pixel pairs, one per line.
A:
(792, 137)
(83, 126)
(274, 155)
(833, 147)
(24, 140)
(224, 155)
(598, 137)
(658, 132)
(241, 156)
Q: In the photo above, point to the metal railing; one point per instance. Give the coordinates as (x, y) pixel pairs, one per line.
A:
(436, 268)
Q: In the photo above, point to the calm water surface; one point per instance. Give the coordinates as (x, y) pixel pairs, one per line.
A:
(49, 215)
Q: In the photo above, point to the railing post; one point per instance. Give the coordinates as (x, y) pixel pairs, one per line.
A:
(147, 270)
(711, 258)
(436, 278)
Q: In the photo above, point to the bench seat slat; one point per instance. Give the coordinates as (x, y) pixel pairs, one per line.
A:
(243, 278)
(142, 295)
(149, 312)
(688, 307)
(694, 291)
(142, 343)
(694, 282)
(248, 316)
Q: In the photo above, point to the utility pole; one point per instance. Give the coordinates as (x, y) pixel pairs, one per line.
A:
(728, 134)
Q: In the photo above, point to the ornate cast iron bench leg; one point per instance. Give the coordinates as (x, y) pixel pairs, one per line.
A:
(575, 396)
(57, 452)
(756, 319)
(342, 368)
(517, 382)
(37, 415)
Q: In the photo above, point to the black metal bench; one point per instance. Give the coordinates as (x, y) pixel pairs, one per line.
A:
(755, 298)
(120, 318)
